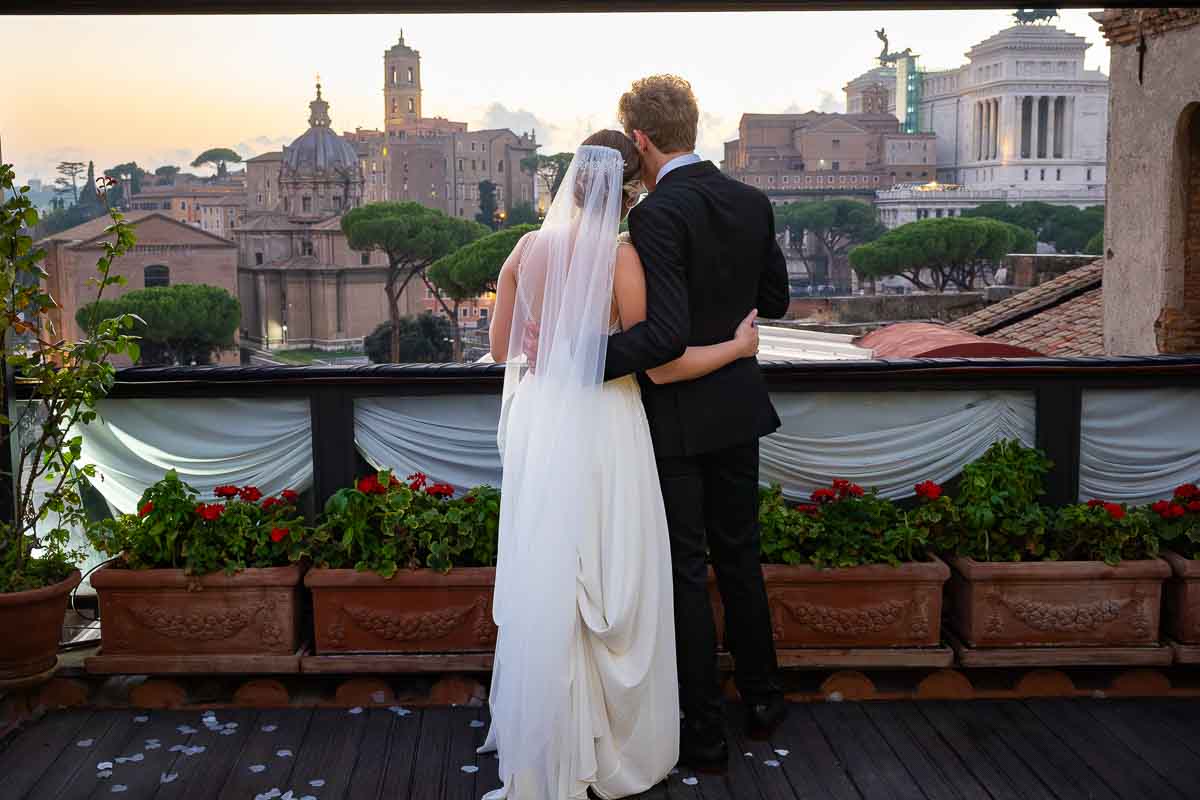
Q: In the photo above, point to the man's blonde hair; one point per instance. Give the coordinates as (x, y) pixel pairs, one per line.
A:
(664, 108)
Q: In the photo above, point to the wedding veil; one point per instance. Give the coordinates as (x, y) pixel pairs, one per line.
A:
(564, 287)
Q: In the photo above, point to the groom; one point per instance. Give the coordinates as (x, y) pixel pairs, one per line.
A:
(707, 243)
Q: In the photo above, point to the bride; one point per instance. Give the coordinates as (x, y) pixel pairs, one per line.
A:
(584, 689)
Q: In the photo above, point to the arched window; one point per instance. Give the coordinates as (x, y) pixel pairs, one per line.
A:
(156, 275)
(1177, 329)
(410, 74)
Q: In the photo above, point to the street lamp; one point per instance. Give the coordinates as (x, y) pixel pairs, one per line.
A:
(499, 218)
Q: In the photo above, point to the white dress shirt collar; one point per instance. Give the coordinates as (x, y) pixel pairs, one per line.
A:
(675, 163)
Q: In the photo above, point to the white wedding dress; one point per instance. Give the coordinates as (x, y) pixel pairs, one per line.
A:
(584, 690)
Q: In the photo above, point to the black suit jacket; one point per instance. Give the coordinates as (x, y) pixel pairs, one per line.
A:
(708, 246)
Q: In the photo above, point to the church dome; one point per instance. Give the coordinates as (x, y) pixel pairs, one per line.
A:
(319, 149)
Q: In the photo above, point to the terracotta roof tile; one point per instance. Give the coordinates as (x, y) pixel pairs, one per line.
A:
(1032, 301)
(1071, 328)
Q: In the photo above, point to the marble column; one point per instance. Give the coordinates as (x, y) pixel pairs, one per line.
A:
(995, 127)
(1035, 127)
(1051, 126)
(260, 300)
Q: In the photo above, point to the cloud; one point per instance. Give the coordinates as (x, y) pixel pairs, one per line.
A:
(830, 102)
(554, 137)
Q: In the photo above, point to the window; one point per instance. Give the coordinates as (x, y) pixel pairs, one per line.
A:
(412, 105)
(500, 166)
(460, 164)
(1058, 174)
(365, 258)
(258, 259)
(167, 205)
(393, 76)
(183, 205)
(837, 143)
(472, 147)
(306, 248)
(1026, 174)
(1043, 174)
(306, 204)
(483, 313)
(837, 165)
(337, 202)
(473, 164)
(395, 105)
(260, 199)
(462, 312)
(156, 275)
(410, 75)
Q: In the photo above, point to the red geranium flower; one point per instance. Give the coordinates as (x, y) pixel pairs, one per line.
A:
(1194, 506)
(1160, 507)
(368, 485)
(823, 496)
(250, 494)
(440, 490)
(807, 508)
(289, 496)
(1187, 491)
(270, 503)
(417, 481)
(469, 499)
(226, 491)
(146, 508)
(1175, 511)
(277, 534)
(1094, 502)
(928, 490)
(210, 511)
(1115, 510)
(855, 490)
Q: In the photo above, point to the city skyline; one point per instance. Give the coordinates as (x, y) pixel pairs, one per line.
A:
(159, 90)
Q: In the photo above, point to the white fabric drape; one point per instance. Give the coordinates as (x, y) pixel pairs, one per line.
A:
(888, 441)
(1136, 446)
(209, 442)
(451, 439)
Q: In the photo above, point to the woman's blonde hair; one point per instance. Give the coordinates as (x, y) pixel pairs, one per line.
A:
(631, 181)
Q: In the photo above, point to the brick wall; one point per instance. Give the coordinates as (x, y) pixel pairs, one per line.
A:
(1178, 327)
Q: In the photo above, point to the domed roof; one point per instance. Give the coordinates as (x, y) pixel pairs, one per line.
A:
(319, 149)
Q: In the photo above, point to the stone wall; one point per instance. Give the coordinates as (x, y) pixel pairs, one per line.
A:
(885, 308)
(1146, 304)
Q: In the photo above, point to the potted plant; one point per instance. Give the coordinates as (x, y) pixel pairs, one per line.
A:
(41, 493)
(1026, 576)
(851, 569)
(200, 585)
(1177, 524)
(404, 567)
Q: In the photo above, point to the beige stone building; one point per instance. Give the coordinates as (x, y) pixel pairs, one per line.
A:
(301, 285)
(799, 156)
(1152, 228)
(167, 252)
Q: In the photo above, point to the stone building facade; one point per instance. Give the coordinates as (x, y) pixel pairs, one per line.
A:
(1022, 120)
(1152, 228)
(167, 252)
(799, 156)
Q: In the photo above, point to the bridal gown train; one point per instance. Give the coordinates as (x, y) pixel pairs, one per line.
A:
(624, 693)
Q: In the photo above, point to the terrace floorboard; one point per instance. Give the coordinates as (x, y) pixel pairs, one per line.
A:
(983, 749)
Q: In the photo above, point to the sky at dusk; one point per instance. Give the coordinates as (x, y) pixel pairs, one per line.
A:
(160, 89)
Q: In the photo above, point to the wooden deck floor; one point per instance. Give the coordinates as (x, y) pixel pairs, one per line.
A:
(983, 749)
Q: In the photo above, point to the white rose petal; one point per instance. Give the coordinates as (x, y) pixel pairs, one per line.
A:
(469, 768)
(783, 752)
(288, 795)
(690, 781)
(187, 730)
(269, 728)
(317, 783)
(85, 742)
(168, 777)
(835, 697)
(257, 768)
(118, 788)
(104, 773)
(284, 753)
(191, 751)
(104, 765)
(399, 711)
(675, 771)
(476, 723)
(309, 797)
(378, 697)
(356, 710)
(177, 748)
(771, 762)
(229, 732)
(141, 718)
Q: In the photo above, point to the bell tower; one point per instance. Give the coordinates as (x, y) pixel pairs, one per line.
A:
(401, 86)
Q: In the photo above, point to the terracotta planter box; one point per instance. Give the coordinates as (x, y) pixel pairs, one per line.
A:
(1056, 603)
(162, 612)
(30, 626)
(414, 611)
(1182, 601)
(873, 606)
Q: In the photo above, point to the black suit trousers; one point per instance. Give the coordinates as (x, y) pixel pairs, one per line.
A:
(712, 507)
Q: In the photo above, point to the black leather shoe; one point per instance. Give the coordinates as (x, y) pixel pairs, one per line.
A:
(704, 750)
(764, 717)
